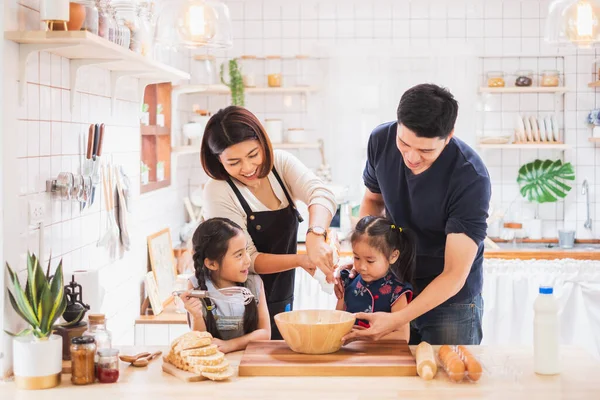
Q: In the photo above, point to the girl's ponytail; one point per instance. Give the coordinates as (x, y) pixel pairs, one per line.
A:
(404, 267)
(202, 273)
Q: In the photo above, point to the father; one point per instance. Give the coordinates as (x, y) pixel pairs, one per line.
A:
(425, 179)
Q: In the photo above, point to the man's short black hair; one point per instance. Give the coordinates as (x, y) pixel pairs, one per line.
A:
(428, 110)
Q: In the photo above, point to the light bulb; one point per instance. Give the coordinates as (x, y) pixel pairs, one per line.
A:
(199, 23)
(585, 19)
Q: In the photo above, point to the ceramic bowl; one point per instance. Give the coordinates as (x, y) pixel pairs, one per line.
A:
(314, 331)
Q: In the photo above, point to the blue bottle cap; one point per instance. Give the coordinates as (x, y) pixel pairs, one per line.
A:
(545, 289)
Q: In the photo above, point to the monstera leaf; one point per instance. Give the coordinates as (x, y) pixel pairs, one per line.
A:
(544, 181)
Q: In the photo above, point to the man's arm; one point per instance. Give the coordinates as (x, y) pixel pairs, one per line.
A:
(372, 204)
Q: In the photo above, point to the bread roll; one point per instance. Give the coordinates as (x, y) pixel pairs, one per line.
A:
(474, 369)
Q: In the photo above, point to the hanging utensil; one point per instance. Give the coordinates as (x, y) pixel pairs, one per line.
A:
(234, 294)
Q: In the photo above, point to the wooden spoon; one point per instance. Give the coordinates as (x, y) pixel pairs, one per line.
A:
(144, 361)
(131, 359)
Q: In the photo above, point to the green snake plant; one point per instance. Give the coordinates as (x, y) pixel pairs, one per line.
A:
(43, 300)
(545, 181)
(236, 83)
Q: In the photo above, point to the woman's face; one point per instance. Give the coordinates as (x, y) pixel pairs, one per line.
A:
(243, 161)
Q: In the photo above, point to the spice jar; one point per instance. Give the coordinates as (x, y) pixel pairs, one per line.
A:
(146, 30)
(249, 68)
(550, 78)
(495, 79)
(274, 71)
(97, 329)
(83, 350)
(90, 23)
(127, 17)
(524, 78)
(108, 365)
(106, 22)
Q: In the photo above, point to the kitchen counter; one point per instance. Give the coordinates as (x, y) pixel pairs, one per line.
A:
(508, 372)
(520, 251)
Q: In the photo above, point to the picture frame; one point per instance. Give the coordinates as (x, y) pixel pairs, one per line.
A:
(152, 293)
(162, 264)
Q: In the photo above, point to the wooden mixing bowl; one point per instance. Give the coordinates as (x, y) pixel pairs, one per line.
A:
(314, 331)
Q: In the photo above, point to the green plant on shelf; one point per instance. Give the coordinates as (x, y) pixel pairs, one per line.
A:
(545, 181)
(236, 83)
(42, 302)
(145, 108)
(159, 109)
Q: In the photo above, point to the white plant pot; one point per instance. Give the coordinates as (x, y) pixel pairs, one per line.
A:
(596, 132)
(37, 363)
(534, 228)
(160, 119)
(145, 118)
(160, 174)
(145, 178)
(54, 10)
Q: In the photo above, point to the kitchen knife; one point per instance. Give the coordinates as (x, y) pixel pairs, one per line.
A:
(96, 139)
(99, 152)
(94, 155)
(90, 143)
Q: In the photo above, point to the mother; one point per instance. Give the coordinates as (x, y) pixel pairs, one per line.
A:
(255, 187)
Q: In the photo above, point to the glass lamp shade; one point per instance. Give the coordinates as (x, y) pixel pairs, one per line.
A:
(573, 22)
(194, 23)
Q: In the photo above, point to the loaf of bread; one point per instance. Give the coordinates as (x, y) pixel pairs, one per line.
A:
(453, 365)
(473, 366)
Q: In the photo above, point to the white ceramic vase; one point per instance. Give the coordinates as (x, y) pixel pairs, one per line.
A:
(54, 10)
(37, 363)
(596, 132)
(534, 228)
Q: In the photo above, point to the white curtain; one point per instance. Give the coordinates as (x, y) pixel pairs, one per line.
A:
(509, 290)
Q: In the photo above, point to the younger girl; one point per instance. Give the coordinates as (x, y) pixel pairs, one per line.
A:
(384, 259)
(221, 261)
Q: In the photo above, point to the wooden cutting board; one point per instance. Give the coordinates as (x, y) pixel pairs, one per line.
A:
(181, 374)
(383, 358)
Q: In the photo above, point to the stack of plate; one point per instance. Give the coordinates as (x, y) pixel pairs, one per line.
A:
(529, 129)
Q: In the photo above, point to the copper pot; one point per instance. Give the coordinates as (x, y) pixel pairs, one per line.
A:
(76, 18)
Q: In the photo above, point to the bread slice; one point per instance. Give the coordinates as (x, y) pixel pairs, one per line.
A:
(213, 359)
(219, 376)
(194, 343)
(198, 369)
(190, 336)
(200, 351)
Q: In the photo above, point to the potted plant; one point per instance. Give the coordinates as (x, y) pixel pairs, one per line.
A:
(160, 117)
(160, 171)
(544, 182)
(37, 350)
(236, 83)
(145, 116)
(145, 173)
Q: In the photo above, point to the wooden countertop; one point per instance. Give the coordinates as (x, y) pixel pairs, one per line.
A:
(167, 316)
(510, 253)
(508, 374)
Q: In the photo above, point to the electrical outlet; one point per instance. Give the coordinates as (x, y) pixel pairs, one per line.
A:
(37, 212)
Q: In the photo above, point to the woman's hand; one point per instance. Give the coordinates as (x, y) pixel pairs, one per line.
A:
(320, 255)
(304, 263)
(380, 324)
(223, 345)
(192, 305)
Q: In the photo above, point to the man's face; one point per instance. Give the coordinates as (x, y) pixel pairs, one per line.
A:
(419, 152)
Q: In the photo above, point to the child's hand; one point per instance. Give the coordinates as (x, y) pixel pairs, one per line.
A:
(223, 345)
(192, 305)
(339, 289)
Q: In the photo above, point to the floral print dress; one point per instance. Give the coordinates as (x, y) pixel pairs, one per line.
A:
(376, 296)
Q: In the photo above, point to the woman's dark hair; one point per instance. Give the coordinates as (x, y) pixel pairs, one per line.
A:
(211, 241)
(428, 110)
(386, 237)
(232, 125)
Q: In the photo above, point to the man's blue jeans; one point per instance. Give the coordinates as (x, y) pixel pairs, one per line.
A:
(455, 323)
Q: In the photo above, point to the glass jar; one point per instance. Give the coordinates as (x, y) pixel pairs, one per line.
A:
(204, 70)
(108, 365)
(524, 78)
(97, 329)
(249, 66)
(83, 350)
(146, 30)
(274, 71)
(106, 23)
(90, 22)
(550, 78)
(495, 79)
(128, 18)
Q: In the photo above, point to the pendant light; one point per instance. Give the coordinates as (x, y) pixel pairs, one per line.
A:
(194, 23)
(573, 22)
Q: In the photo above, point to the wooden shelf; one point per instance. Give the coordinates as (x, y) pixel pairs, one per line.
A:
(222, 89)
(594, 84)
(150, 186)
(154, 130)
(528, 146)
(86, 49)
(181, 150)
(594, 140)
(527, 89)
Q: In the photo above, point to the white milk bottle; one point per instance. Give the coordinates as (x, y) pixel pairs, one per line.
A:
(545, 333)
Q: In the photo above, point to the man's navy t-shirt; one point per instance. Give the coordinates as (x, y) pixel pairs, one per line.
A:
(451, 196)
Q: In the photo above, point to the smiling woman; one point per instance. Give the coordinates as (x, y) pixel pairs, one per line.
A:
(256, 188)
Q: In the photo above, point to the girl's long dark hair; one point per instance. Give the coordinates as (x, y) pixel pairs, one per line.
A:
(386, 237)
(211, 241)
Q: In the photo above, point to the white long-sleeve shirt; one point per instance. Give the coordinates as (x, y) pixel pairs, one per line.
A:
(301, 183)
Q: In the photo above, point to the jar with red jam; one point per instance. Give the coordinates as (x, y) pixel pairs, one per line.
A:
(108, 366)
